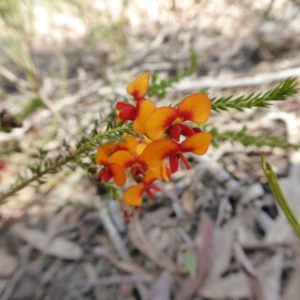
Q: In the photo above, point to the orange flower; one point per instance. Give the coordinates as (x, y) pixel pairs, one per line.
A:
(145, 157)
(156, 152)
(143, 175)
(158, 172)
(129, 143)
(144, 109)
(138, 89)
(127, 160)
(195, 108)
(110, 170)
(161, 172)
(133, 195)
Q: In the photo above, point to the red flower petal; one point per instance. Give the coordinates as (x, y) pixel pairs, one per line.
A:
(149, 193)
(186, 130)
(122, 104)
(128, 113)
(174, 163)
(175, 131)
(197, 130)
(104, 175)
(184, 160)
(155, 187)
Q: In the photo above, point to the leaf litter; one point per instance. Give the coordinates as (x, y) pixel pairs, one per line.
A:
(216, 232)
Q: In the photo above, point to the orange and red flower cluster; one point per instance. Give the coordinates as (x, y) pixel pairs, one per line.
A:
(160, 130)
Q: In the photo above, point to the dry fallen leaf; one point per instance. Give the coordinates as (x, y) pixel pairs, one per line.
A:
(270, 274)
(188, 201)
(161, 289)
(3, 283)
(58, 247)
(203, 241)
(236, 286)
(233, 286)
(252, 192)
(126, 266)
(8, 264)
(140, 241)
(292, 290)
(57, 221)
(253, 279)
(93, 276)
(222, 249)
(156, 217)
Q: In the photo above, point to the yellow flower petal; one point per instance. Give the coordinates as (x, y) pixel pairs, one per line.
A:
(140, 148)
(156, 173)
(138, 88)
(123, 158)
(195, 108)
(118, 174)
(129, 143)
(158, 121)
(133, 195)
(197, 143)
(157, 151)
(101, 157)
(144, 109)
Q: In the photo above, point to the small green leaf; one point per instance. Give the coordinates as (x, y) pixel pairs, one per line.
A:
(190, 263)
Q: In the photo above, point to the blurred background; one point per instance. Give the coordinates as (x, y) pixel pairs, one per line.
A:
(63, 65)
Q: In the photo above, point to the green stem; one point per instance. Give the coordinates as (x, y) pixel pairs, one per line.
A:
(277, 192)
(85, 147)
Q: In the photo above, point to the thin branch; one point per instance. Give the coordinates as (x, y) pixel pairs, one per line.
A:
(246, 139)
(85, 145)
(12, 284)
(278, 93)
(114, 280)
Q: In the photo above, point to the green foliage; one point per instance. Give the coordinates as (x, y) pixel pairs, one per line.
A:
(85, 146)
(190, 263)
(283, 90)
(246, 139)
(158, 88)
(277, 192)
(10, 12)
(33, 105)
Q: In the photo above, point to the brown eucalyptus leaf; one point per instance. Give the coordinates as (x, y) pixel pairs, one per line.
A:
(161, 288)
(58, 247)
(8, 264)
(140, 241)
(203, 241)
(233, 286)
